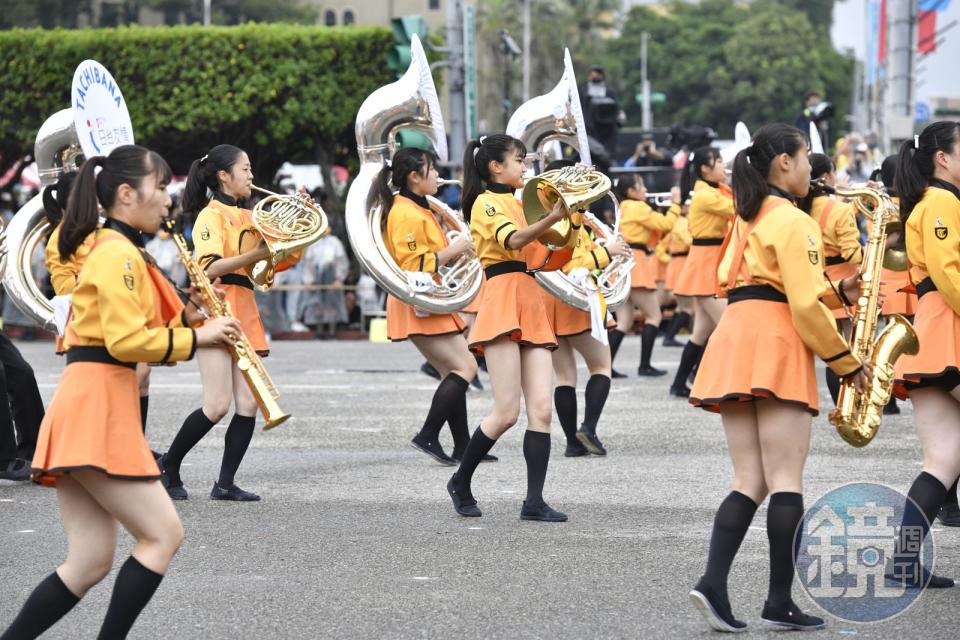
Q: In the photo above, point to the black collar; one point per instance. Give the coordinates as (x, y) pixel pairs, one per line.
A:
(715, 185)
(497, 187)
(225, 199)
(777, 191)
(421, 201)
(943, 184)
(128, 232)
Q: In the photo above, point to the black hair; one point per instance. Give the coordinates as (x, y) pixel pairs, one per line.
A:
(751, 167)
(476, 164)
(55, 198)
(887, 174)
(406, 161)
(915, 163)
(128, 164)
(693, 170)
(820, 166)
(203, 176)
(625, 183)
(810, 94)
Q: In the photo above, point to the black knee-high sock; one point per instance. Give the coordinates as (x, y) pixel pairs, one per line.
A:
(598, 388)
(614, 337)
(729, 528)
(194, 428)
(536, 451)
(784, 515)
(951, 494)
(458, 427)
(678, 320)
(132, 591)
(50, 601)
(443, 406)
(144, 405)
(692, 352)
(833, 385)
(478, 447)
(928, 494)
(647, 340)
(565, 401)
(236, 441)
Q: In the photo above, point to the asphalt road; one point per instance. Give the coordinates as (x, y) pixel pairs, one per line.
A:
(356, 537)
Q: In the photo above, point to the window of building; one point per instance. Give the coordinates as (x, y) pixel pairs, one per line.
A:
(330, 18)
(348, 17)
(434, 5)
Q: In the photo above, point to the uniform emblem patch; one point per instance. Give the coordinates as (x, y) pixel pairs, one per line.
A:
(489, 209)
(128, 277)
(940, 230)
(814, 257)
(205, 234)
(411, 243)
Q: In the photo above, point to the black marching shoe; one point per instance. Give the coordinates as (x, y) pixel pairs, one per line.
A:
(176, 491)
(926, 579)
(616, 374)
(790, 617)
(232, 493)
(541, 513)
(680, 392)
(463, 500)
(575, 450)
(432, 449)
(672, 342)
(949, 515)
(591, 442)
(715, 609)
(650, 372)
(17, 470)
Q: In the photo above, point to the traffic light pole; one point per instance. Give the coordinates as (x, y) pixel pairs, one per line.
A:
(457, 83)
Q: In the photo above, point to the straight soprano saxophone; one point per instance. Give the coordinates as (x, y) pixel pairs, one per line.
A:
(857, 416)
(251, 366)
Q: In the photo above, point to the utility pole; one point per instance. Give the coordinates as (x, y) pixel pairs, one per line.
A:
(899, 104)
(457, 83)
(647, 116)
(526, 49)
(206, 12)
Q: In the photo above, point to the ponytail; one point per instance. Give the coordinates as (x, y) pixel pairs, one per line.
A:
(476, 165)
(751, 167)
(55, 198)
(693, 170)
(129, 165)
(202, 177)
(915, 165)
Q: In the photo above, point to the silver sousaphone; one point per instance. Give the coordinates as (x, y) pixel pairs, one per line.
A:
(542, 123)
(409, 103)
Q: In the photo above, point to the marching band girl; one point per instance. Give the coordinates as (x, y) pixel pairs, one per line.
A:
(512, 329)
(638, 223)
(928, 183)
(759, 375)
(90, 447)
(711, 211)
(677, 244)
(217, 187)
(417, 243)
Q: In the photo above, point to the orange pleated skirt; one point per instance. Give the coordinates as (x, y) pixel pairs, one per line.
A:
(243, 304)
(474, 305)
(565, 320)
(93, 423)
(748, 360)
(699, 274)
(643, 275)
(512, 307)
(673, 271)
(837, 272)
(897, 301)
(938, 362)
(403, 322)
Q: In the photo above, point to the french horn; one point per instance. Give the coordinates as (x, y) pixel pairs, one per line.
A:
(409, 103)
(541, 123)
(57, 151)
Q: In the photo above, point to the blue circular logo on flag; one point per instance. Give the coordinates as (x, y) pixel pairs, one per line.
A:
(846, 555)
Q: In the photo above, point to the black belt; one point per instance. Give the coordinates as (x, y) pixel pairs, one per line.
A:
(237, 280)
(680, 254)
(755, 292)
(95, 354)
(510, 266)
(707, 242)
(833, 260)
(642, 247)
(926, 286)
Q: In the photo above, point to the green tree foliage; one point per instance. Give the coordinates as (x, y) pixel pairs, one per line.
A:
(720, 61)
(282, 92)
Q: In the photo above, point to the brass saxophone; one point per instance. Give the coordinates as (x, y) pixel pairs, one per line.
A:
(251, 366)
(857, 416)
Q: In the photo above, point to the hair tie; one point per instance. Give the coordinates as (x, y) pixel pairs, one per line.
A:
(916, 142)
(389, 163)
(482, 138)
(692, 155)
(203, 161)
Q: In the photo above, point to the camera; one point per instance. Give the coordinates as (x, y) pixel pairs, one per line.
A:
(508, 44)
